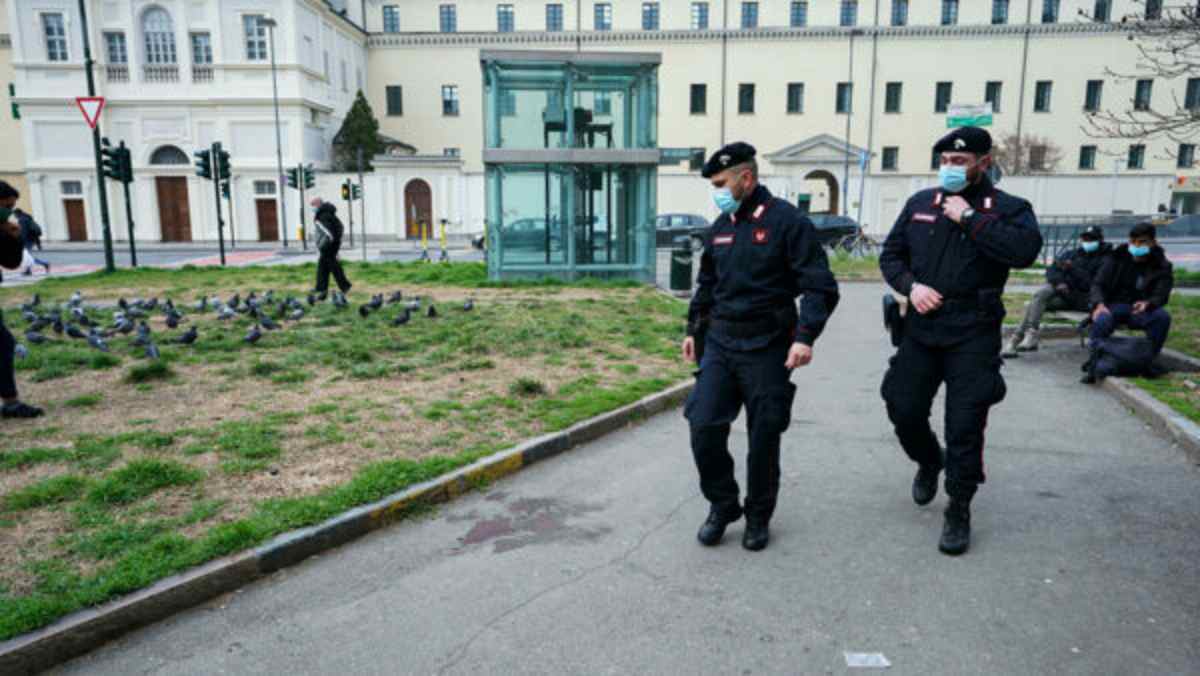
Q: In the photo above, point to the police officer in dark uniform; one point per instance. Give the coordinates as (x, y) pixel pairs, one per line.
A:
(950, 253)
(745, 332)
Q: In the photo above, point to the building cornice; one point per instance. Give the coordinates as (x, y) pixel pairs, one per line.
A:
(204, 101)
(492, 38)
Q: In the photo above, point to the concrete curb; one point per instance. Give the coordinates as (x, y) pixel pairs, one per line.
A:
(88, 629)
(1164, 419)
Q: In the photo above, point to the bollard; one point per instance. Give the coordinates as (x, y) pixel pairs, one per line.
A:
(681, 265)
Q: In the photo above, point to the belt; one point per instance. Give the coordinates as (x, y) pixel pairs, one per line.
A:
(757, 325)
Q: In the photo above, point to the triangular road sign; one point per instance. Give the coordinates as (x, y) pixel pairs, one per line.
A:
(90, 106)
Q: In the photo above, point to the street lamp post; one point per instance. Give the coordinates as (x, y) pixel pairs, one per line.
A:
(270, 24)
(1112, 207)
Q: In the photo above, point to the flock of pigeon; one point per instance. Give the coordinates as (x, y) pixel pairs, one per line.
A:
(129, 317)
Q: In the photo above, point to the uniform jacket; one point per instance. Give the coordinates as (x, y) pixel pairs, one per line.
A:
(756, 261)
(1077, 268)
(327, 216)
(1122, 280)
(967, 263)
(31, 232)
(11, 252)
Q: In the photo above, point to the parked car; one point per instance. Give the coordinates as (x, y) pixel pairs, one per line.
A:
(832, 229)
(670, 226)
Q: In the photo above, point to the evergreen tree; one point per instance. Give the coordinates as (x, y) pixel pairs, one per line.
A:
(360, 129)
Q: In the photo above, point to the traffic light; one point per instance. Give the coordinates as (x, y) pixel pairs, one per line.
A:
(225, 188)
(204, 163)
(309, 180)
(110, 160)
(223, 164)
(126, 163)
(354, 188)
(292, 179)
(346, 191)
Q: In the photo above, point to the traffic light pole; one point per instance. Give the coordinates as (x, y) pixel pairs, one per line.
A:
(361, 188)
(216, 181)
(109, 263)
(348, 189)
(303, 226)
(125, 181)
(232, 226)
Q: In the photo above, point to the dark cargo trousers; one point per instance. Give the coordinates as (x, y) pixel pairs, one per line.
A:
(971, 371)
(727, 381)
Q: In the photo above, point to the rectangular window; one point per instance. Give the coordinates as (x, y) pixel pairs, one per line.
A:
(849, 13)
(949, 12)
(899, 12)
(56, 36)
(999, 12)
(452, 152)
(325, 66)
(505, 21)
(202, 49)
(891, 155)
(1041, 96)
(698, 99)
(447, 18)
(1137, 156)
(72, 187)
(936, 162)
(1141, 94)
(391, 19)
(1153, 10)
(1191, 98)
(991, 94)
(449, 99)
(795, 97)
(799, 15)
(264, 188)
(256, 37)
(891, 97)
(554, 17)
(603, 103)
(1087, 158)
(602, 16)
(845, 95)
(699, 16)
(1037, 157)
(395, 100)
(1102, 10)
(345, 77)
(1050, 11)
(749, 15)
(1186, 157)
(114, 44)
(649, 16)
(941, 96)
(1091, 100)
(746, 98)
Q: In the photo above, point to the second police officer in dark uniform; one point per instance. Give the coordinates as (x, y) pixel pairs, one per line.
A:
(950, 253)
(743, 326)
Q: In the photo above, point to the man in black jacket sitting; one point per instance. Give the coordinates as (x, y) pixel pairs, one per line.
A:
(11, 248)
(328, 228)
(1132, 289)
(1068, 283)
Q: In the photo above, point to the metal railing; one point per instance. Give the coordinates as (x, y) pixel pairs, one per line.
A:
(1061, 232)
(160, 73)
(202, 74)
(116, 72)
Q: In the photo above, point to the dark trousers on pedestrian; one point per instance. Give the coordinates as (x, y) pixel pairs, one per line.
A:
(971, 371)
(727, 381)
(8, 346)
(328, 264)
(1156, 323)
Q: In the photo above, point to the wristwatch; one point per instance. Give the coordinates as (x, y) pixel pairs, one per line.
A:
(968, 214)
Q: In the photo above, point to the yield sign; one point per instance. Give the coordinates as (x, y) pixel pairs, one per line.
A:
(90, 106)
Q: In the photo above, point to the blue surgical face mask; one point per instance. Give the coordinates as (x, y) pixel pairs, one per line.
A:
(1138, 251)
(1090, 247)
(952, 178)
(723, 198)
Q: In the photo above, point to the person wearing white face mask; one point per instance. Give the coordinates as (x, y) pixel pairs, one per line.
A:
(747, 336)
(950, 253)
(1068, 282)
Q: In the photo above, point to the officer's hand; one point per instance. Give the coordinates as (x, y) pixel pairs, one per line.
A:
(799, 355)
(689, 349)
(954, 206)
(925, 299)
(1101, 309)
(11, 228)
(1140, 307)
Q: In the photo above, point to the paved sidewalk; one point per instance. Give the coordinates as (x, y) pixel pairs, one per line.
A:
(1084, 558)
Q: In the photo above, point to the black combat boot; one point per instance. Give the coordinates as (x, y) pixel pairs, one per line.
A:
(924, 487)
(757, 535)
(714, 526)
(956, 532)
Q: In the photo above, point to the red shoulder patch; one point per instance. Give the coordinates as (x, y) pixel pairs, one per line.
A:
(723, 240)
(760, 236)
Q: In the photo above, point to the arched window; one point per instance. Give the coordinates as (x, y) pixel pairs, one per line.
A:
(168, 155)
(160, 37)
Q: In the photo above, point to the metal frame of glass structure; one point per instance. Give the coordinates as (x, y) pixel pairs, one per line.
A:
(571, 160)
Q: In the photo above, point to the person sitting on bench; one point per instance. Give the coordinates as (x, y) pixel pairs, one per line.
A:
(1068, 283)
(1132, 289)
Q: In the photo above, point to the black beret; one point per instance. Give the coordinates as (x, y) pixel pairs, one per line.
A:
(1093, 232)
(728, 156)
(965, 140)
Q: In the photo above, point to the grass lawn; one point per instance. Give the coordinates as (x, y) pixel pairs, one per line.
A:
(1180, 391)
(142, 469)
